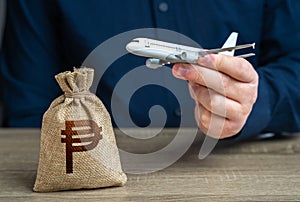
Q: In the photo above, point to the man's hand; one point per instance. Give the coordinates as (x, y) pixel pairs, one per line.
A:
(224, 89)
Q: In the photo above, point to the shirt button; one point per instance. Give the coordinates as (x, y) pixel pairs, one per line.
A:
(177, 112)
(163, 7)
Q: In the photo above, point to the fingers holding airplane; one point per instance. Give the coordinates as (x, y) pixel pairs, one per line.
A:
(222, 87)
(234, 85)
(235, 67)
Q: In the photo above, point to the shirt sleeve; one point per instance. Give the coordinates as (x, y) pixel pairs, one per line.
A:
(31, 57)
(277, 108)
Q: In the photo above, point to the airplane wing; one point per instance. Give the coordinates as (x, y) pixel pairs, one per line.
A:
(219, 50)
(229, 47)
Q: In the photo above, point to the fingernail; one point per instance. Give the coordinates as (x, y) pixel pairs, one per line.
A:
(204, 60)
(181, 72)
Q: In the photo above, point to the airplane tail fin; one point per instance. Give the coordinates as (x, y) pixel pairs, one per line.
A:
(230, 42)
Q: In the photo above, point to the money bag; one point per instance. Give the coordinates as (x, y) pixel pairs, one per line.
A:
(78, 149)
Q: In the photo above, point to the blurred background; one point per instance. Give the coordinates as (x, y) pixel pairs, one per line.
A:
(2, 16)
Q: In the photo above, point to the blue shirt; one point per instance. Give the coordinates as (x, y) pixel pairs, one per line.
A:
(43, 38)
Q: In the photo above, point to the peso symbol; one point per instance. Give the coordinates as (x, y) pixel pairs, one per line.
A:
(91, 133)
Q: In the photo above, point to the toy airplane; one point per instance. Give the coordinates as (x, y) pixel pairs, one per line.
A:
(161, 53)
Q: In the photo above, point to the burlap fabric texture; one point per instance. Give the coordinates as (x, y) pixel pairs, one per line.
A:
(78, 148)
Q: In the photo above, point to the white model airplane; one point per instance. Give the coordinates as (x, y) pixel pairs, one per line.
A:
(161, 53)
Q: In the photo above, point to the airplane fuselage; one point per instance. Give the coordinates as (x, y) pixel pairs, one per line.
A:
(165, 51)
(161, 53)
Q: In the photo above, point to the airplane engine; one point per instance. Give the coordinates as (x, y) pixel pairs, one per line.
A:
(189, 57)
(154, 63)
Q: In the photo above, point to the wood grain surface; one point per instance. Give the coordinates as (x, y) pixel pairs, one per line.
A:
(260, 170)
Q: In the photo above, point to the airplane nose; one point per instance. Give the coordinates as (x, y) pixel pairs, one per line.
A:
(131, 47)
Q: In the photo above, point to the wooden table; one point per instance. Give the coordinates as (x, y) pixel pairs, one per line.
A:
(261, 170)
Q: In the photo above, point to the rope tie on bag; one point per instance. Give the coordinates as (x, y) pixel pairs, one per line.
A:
(77, 94)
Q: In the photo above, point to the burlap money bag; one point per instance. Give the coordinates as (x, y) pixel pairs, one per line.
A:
(78, 148)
